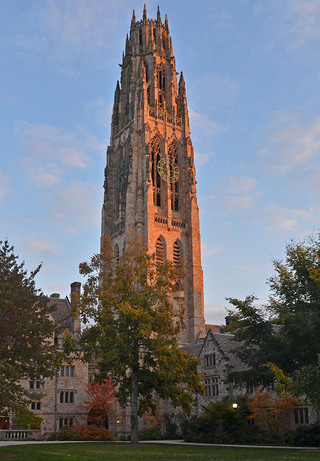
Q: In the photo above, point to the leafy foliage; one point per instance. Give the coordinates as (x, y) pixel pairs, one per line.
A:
(134, 336)
(100, 402)
(79, 432)
(268, 410)
(25, 327)
(26, 419)
(286, 332)
(220, 422)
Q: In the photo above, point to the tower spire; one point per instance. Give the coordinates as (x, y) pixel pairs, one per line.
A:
(144, 13)
(133, 20)
(158, 16)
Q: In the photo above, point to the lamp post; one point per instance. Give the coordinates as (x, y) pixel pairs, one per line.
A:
(235, 407)
(117, 425)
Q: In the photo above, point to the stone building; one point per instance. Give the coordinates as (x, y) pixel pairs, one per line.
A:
(58, 400)
(150, 185)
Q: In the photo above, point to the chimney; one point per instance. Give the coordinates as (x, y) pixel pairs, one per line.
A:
(229, 320)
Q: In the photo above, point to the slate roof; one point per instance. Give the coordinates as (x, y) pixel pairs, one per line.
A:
(60, 310)
(193, 349)
(227, 343)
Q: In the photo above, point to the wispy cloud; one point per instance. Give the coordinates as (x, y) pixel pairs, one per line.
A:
(246, 270)
(303, 21)
(203, 124)
(284, 219)
(203, 158)
(4, 185)
(215, 312)
(41, 244)
(65, 30)
(236, 193)
(290, 142)
(76, 206)
(50, 150)
(214, 89)
(207, 251)
(296, 21)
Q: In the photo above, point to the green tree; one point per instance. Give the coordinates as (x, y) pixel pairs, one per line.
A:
(25, 327)
(286, 331)
(134, 336)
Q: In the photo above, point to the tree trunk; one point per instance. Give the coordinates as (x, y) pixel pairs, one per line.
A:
(134, 396)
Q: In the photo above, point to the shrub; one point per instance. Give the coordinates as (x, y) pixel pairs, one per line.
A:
(307, 436)
(78, 432)
(98, 433)
(151, 433)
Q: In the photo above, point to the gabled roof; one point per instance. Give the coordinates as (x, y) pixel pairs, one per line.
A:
(225, 343)
(193, 349)
(60, 310)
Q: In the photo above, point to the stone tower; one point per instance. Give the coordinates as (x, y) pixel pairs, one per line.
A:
(150, 184)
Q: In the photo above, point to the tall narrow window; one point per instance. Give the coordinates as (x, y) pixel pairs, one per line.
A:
(156, 182)
(117, 253)
(173, 154)
(160, 250)
(177, 253)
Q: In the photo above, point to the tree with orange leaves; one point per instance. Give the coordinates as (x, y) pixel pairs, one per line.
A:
(100, 403)
(268, 410)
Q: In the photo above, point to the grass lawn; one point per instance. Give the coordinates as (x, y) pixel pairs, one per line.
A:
(100, 451)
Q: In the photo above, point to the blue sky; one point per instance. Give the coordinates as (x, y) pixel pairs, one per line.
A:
(252, 73)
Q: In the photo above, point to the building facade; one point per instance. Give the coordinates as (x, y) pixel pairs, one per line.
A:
(150, 185)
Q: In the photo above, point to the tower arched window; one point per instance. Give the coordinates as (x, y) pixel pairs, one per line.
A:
(177, 253)
(173, 154)
(160, 250)
(117, 253)
(162, 79)
(156, 182)
(140, 37)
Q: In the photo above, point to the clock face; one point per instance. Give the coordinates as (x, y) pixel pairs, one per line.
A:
(168, 170)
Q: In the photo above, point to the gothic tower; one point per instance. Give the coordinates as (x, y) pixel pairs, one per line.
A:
(150, 184)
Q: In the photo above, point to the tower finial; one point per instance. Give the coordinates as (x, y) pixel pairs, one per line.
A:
(158, 16)
(144, 13)
(182, 85)
(166, 23)
(127, 43)
(133, 20)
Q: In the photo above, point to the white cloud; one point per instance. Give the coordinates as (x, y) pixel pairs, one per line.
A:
(203, 125)
(235, 203)
(284, 219)
(215, 89)
(310, 177)
(304, 17)
(76, 206)
(236, 193)
(290, 142)
(202, 159)
(52, 149)
(41, 244)
(66, 30)
(4, 185)
(298, 21)
(215, 313)
(207, 251)
(246, 270)
(237, 185)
